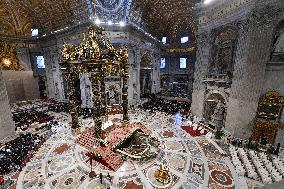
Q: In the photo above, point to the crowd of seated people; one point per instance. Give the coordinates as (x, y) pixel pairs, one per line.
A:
(25, 118)
(167, 106)
(16, 153)
(257, 160)
(257, 146)
(59, 107)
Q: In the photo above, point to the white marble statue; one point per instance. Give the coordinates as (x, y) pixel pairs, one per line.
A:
(219, 114)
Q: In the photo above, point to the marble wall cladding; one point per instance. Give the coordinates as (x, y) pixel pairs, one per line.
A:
(280, 137)
(7, 125)
(252, 75)
(201, 64)
(21, 85)
(23, 55)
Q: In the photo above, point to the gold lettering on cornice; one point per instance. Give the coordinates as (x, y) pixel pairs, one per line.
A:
(181, 50)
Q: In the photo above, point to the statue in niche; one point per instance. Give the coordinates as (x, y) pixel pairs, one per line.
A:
(218, 116)
(56, 89)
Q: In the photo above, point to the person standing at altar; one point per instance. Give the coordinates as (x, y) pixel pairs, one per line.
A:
(178, 119)
(101, 178)
(109, 177)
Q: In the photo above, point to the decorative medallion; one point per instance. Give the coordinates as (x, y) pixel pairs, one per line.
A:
(168, 134)
(221, 178)
(61, 149)
(109, 5)
(68, 181)
(132, 185)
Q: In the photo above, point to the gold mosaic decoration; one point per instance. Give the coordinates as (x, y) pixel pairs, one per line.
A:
(17, 18)
(8, 57)
(160, 17)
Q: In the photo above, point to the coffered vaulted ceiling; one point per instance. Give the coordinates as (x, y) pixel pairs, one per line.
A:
(17, 17)
(159, 17)
(167, 17)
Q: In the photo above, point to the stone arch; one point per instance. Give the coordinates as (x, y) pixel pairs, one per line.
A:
(221, 93)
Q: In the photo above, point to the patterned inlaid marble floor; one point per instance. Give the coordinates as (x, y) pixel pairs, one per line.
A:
(193, 163)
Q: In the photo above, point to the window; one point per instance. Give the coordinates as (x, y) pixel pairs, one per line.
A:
(164, 40)
(182, 62)
(163, 63)
(184, 39)
(34, 32)
(40, 62)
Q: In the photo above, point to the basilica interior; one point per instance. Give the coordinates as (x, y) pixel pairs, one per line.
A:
(141, 94)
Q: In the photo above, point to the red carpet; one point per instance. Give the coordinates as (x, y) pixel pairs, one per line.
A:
(193, 133)
(116, 135)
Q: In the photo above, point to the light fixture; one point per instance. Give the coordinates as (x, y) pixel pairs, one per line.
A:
(97, 21)
(121, 23)
(206, 2)
(109, 22)
(7, 62)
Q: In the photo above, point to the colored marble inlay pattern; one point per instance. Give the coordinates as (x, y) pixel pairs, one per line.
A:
(210, 150)
(220, 176)
(176, 161)
(61, 163)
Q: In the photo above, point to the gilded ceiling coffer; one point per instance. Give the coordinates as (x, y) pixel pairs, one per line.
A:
(97, 57)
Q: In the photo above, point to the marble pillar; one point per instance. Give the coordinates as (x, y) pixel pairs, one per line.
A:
(55, 87)
(248, 78)
(23, 55)
(201, 65)
(131, 80)
(7, 125)
(156, 73)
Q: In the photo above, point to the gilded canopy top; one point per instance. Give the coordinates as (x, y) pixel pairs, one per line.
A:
(94, 47)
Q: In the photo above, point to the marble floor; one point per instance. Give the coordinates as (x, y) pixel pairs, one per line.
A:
(194, 162)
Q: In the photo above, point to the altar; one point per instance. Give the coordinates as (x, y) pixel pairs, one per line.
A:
(111, 153)
(107, 69)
